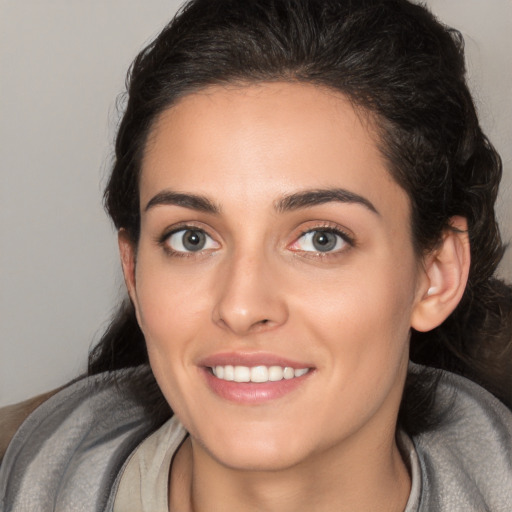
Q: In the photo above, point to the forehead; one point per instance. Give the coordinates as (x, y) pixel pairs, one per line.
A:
(245, 143)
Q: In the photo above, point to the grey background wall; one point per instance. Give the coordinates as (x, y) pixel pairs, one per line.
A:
(62, 66)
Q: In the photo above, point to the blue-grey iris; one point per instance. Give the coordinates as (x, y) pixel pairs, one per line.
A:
(324, 241)
(194, 240)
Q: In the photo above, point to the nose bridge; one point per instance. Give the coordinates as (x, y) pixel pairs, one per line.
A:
(249, 297)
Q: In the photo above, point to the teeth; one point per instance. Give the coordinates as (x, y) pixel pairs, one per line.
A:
(275, 373)
(229, 373)
(257, 373)
(242, 374)
(288, 373)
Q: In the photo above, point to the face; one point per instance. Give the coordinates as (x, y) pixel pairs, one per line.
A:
(275, 277)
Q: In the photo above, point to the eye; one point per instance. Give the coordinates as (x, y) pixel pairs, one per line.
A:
(321, 240)
(189, 240)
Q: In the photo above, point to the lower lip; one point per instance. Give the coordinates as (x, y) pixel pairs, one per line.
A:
(251, 392)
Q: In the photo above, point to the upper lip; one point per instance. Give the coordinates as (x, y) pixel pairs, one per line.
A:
(250, 359)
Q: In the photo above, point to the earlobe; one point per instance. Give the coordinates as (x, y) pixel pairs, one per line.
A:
(127, 254)
(444, 278)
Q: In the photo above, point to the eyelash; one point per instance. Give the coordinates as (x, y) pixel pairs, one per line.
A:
(326, 228)
(163, 241)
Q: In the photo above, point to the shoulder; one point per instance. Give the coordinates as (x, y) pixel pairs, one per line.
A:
(70, 449)
(466, 460)
(12, 416)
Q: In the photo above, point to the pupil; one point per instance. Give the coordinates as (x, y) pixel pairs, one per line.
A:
(324, 241)
(194, 240)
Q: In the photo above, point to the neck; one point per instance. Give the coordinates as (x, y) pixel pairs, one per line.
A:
(358, 476)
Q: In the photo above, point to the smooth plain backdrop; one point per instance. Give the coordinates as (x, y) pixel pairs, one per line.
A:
(62, 68)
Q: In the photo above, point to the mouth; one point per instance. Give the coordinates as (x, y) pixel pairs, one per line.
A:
(256, 374)
(254, 378)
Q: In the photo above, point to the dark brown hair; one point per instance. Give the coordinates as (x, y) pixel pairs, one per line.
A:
(394, 60)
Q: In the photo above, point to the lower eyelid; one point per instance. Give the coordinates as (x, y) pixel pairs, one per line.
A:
(344, 238)
(165, 239)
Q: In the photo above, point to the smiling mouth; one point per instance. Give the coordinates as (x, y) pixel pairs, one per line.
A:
(257, 374)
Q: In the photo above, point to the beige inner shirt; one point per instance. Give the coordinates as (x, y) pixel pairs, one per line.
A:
(144, 484)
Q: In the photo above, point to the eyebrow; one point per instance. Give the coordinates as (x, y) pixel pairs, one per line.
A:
(296, 201)
(316, 197)
(191, 201)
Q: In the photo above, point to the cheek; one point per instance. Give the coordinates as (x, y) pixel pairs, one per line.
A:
(171, 315)
(168, 301)
(363, 313)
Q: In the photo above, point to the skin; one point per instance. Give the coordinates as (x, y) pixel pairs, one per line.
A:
(259, 286)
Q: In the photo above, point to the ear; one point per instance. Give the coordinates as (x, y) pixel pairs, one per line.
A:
(127, 251)
(445, 274)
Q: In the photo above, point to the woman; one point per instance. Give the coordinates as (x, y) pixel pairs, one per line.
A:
(304, 201)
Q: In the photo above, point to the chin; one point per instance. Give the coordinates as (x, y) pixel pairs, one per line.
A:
(257, 459)
(254, 449)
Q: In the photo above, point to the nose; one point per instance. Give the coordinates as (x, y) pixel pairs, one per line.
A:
(250, 298)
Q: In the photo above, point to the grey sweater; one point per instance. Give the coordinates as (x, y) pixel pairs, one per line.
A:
(69, 454)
